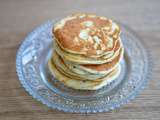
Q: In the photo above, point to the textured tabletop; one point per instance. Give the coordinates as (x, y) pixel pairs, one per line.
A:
(18, 17)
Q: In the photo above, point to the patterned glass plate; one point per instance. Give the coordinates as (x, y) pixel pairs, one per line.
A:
(31, 65)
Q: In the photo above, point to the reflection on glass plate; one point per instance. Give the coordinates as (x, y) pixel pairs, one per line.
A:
(31, 64)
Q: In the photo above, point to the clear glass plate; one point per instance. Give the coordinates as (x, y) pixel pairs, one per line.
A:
(31, 65)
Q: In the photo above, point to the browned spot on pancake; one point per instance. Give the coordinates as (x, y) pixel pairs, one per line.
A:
(117, 46)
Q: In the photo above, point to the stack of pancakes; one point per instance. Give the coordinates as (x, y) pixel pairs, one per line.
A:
(87, 51)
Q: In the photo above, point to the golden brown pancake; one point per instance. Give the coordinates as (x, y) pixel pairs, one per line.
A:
(115, 47)
(100, 67)
(68, 72)
(80, 69)
(86, 34)
(82, 74)
(81, 59)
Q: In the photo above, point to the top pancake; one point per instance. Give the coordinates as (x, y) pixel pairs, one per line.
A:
(86, 34)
